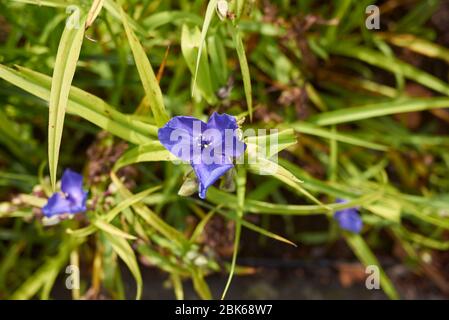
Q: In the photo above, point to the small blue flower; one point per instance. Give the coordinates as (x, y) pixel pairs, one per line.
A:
(349, 219)
(72, 199)
(208, 147)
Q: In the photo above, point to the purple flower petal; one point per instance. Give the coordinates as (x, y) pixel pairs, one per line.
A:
(227, 125)
(72, 185)
(222, 122)
(209, 173)
(57, 204)
(179, 134)
(349, 219)
(209, 147)
(72, 199)
(79, 206)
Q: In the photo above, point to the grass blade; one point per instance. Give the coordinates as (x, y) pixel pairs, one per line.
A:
(396, 66)
(241, 189)
(86, 231)
(364, 254)
(112, 230)
(150, 217)
(47, 272)
(238, 43)
(308, 128)
(210, 10)
(419, 45)
(378, 110)
(265, 166)
(200, 284)
(93, 13)
(147, 76)
(126, 253)
(64, 70)
(190, 40)
(269, 145)
(153, 151)
(83, 104)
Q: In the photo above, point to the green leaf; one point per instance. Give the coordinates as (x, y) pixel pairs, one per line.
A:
(115, 10)
(264, 166)
(11, 258)
(46, 274)
(256, 228)
(153, 151)
(422, 240)
(210, 10)
(217, 195)
(64, 70)
(147, 76)
(218, 60)
(418, 45)
(396, 66)
(159, 19)
(93, 13)
(150, 217)
(189, 187)
(31, 200)
(387, 208)
(83, 104)
(112, 230)
(200, 284)
(239, 4)
(364, 254)
(308, 128)
(11, 138)
(48, 3)
(377, 110)
(190, 42)
(341, 9)
(123, 205)
(177, 286)
(241, 189)
(239, 47)
(268, 145)
(196, 234)
(126, 253)
(261, 207)
(161, 261)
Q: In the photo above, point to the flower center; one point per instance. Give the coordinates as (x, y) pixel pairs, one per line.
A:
(202, 141)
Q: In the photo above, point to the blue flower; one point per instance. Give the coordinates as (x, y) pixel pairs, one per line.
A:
(72, 199)
(208, 147)
(349, 219)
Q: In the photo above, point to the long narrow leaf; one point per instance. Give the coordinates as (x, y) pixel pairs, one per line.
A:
(378, 110)
(93, 13)
(65, 65)
(364, 253)
(238, 43)
(126, 253)
(147, 76)
(241, 189)
(83, 104)
(207, 19)
(395, 65)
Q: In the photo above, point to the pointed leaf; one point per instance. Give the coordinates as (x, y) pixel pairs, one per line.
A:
(64, 70)
(244, 68)
(210, 10)
(147, 76)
